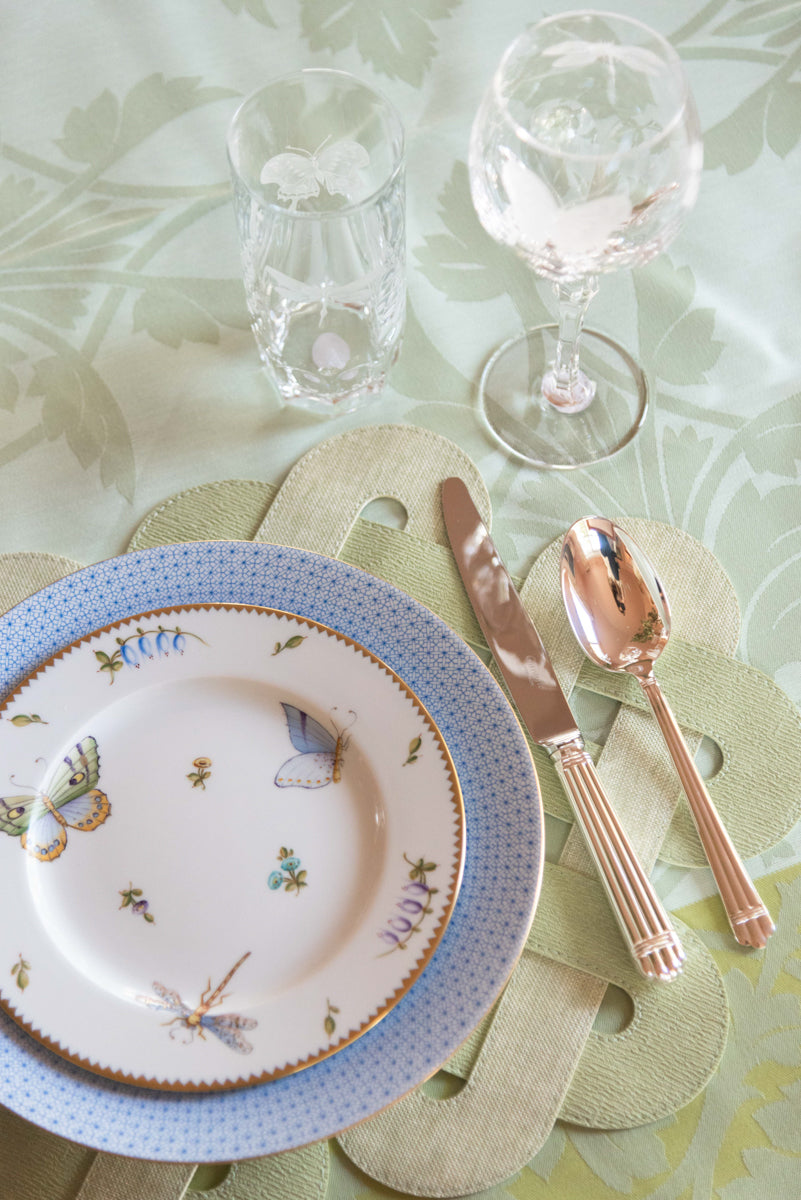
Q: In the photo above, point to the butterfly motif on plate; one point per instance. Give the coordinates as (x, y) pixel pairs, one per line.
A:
(70, 799)
(299, 174)
(320, 759)
(225, 1026)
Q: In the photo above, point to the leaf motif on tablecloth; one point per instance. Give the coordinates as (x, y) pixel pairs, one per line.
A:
(676, 339)
(781, 21)
(684, 454)
(9, 385)
(106, 130)
(783, 118)
(780, 1121)
(176, 310)
(548, 1157)
(60, 306)
(424, 371)
(597, 1163)
(89, 132)
(770, 116)
(737, 141)
(714, 1146)
(769, 1174)
(768, 579)
(765, 1015)
(60, 229)
(171, 319)
(396, 39)
(17, 197)
(87, 232)
(465, 263)
(771, 575)
(254, 8)
(609, 1157)
(78, 406)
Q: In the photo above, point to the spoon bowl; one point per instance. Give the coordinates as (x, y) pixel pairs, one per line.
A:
(614, 600)
(620, 615)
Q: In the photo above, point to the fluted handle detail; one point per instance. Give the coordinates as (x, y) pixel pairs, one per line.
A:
(749, 918)
(645, 925)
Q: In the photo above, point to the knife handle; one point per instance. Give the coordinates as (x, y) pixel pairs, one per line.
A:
(644, 923)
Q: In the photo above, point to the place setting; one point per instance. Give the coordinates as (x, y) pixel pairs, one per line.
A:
(349, 828)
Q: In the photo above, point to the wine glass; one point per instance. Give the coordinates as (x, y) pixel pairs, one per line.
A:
(585, 157)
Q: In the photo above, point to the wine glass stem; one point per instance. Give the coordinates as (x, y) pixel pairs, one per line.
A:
(565, 385)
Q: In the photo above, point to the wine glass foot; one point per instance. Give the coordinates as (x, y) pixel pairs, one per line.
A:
(562, 437)
(571, 398)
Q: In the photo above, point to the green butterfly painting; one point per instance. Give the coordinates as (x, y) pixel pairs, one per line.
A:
(69, 800)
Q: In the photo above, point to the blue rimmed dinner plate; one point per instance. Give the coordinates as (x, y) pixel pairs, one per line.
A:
(488, 926)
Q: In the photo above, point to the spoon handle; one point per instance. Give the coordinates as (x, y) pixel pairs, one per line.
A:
(749, 918)
(646, 927)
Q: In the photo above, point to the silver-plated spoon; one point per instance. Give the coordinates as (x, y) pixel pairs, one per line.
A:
(621, 618)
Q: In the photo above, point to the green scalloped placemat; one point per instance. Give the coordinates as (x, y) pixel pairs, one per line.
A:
(443, 1148)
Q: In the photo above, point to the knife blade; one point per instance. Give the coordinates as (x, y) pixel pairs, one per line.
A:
(527, 669)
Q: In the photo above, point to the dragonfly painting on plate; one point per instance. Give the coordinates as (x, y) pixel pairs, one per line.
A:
(226, 1026)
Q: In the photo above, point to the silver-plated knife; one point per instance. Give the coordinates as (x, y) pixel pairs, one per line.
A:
(532, 682)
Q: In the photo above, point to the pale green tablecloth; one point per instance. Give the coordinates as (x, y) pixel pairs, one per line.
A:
(128, 372)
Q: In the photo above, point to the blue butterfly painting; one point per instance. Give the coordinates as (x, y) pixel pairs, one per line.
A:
(69, 799)
(320, 759)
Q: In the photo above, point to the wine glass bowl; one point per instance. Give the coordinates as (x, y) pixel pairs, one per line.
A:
(585, 158)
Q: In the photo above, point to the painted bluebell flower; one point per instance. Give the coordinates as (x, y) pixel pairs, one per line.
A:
(129, 655)
(145, 647)
(275, 880)
(163, 642)
(179, 642)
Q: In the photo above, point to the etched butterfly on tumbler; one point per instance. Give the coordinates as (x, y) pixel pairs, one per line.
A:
(320, 759)
(70, 799)
(299, 174)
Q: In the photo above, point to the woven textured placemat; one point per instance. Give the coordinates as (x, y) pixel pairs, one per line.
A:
(536, 1058)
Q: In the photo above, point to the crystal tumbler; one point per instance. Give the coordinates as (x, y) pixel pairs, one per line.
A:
(317, 162)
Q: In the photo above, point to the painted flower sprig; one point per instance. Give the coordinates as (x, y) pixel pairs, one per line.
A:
(290, 877)
(142, 646)
(201, 773)
(20, 972)
(414, 750)
(290, 644)
(412, 908)
(329, 1024)
(23, 719)
(133, 898)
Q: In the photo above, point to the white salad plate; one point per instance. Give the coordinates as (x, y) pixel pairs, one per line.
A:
(240, 843)
(481, 943)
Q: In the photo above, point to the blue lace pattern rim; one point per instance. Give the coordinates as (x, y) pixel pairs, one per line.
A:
(486, 933)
